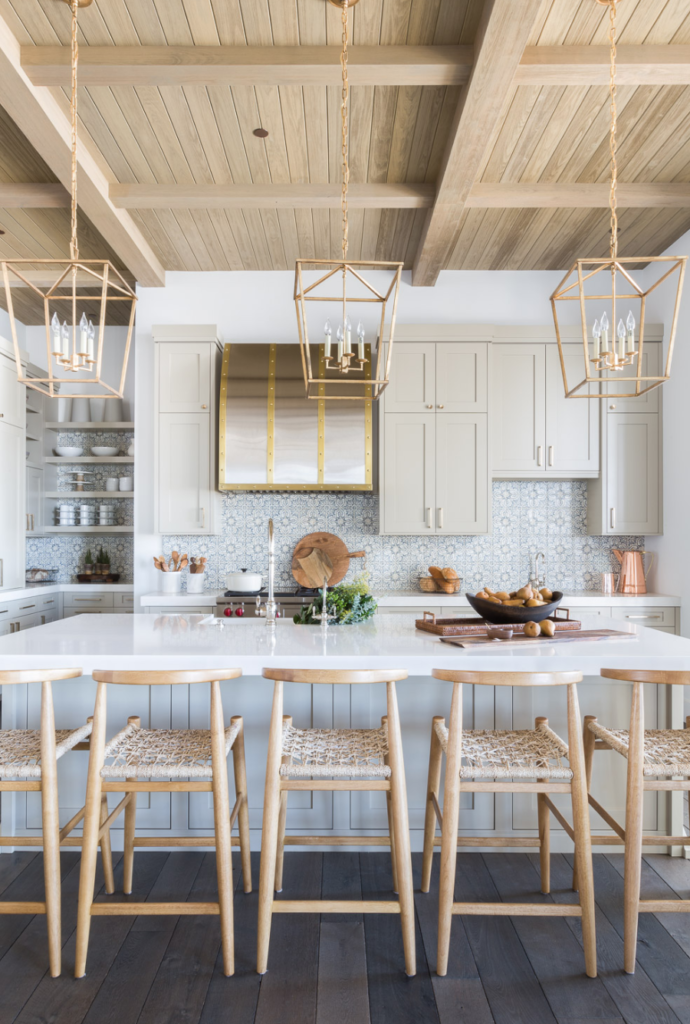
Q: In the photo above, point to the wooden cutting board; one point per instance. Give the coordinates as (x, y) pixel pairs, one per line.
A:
(328, 547)
(521, 639)
(469, 626)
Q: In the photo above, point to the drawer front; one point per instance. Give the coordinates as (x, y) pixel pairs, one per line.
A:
(123, 600)
(50, 601)
(82, 601)
(579, 613)
(646, 616)
(27, 606)
(71, 612)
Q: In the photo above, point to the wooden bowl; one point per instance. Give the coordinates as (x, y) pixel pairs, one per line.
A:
(510, 613)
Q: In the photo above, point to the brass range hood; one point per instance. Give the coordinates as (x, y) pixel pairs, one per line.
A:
(273, 438)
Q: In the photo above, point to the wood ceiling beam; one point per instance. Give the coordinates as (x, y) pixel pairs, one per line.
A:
(589, 65)
(277, 196)
(502, 35)
(23, 196)
(249, 65)
(39, 116)
(557, 195)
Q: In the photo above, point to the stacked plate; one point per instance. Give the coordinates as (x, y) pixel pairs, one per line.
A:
(106, 515)
(87, 515)
(66, 515)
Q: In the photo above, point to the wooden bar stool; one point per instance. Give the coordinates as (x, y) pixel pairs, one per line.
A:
(651, 753)
(182, 757)
(334, 759)
(28, 763)
(507, 758)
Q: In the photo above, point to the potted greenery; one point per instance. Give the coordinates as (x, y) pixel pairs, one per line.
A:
(103, 560)
(350, 602)
(88, 561)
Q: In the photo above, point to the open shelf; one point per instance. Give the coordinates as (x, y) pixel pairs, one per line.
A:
(89, 494)
(88, 529)
(91, 425)
(102, 459)
(30, 408)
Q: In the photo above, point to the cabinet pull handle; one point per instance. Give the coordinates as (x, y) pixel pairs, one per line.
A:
(428, 518)
(89, 600)
(612, 519)
(440, 519)
(27, 521)
(23, 607)
(644, 616)
(203, 519)
(32, 521)
(2, 415)
(551, 455)
(539, 454)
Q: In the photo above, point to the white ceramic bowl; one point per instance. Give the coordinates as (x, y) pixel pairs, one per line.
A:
(100, 450)
(69, 452)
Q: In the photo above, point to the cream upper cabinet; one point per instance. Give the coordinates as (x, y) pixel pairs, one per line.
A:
(461, 377)
(652, 356)
(412, 386)
(408, 473)
(12, 505)
(628, 497)
(34, 500)
(462, 480)
(185, 377)
(538, 432)
(12, 394)
(184, 473)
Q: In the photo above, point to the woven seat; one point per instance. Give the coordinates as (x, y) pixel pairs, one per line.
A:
(20, 750)
(525, 754)
(334, 753)
(666, 751)
(163, 753)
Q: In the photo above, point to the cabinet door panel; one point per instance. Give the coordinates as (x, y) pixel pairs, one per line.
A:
(413, 378)
(652, 355)
(572, 425)
(408, 473)
(518, 408)
(462, 473)
(12, 504)
(185, 377)
(634, 486)
(12, 394)
(34, 500)
(461, 377)
(184, 474)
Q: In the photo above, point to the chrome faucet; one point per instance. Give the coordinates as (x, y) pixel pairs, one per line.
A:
(323, 615)
(536, 582)
(268, 610)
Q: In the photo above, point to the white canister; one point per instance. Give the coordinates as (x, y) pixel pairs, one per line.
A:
(113, 410)
(112, 483)
(97, 406)
(171, 582)
(64, 410)
(195, 581)
(126, 483)
(81, 410)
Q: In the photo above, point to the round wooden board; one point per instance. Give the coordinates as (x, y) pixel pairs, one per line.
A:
(329, 544)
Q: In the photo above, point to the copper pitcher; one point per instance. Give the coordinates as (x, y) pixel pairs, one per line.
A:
(633, 575)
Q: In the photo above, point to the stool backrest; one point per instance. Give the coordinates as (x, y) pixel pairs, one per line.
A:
(38, 675)
(507, 678)
(639, 675)
(334, 676)
(166, 678)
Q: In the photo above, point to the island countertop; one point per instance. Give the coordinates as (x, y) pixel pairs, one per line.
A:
(387, 641)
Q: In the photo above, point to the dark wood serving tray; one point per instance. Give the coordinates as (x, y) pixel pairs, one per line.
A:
(467, 627)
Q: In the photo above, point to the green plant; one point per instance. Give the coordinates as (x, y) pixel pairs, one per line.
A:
(351, 602)
(88, 557)
(103, 557)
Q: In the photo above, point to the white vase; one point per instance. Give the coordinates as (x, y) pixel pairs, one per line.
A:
(171, 582)
(64, 410)
(81, 410)
(195, 582)
(113, 410)
(97, 406)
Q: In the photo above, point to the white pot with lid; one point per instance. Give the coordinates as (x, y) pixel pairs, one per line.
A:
(244, 582)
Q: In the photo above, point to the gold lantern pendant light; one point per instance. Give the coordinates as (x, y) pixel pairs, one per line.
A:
(343, 372)
(609, 297)
(77, 297)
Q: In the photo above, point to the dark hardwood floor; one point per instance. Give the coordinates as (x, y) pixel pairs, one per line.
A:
(346, 969)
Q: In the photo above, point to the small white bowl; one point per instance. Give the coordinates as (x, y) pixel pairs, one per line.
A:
(100, 450)
(69, 452)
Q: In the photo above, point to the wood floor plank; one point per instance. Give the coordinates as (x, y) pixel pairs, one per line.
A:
(635, 996)
(27, 885)
(129, 965)
(233, 1000)
(12, 865)
(553, 951)
(342, 991)
(393, 997)
(460, 995)
(294, 951)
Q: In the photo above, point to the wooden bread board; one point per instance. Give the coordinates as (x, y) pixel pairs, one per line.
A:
(470, 626)
(520, 639)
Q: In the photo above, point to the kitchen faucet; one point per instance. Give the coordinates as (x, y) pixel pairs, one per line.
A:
(535, 581)
(268, 610)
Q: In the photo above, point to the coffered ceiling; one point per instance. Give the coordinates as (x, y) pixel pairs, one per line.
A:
(478, 138)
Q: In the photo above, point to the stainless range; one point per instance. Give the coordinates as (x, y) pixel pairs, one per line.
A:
(237, 605)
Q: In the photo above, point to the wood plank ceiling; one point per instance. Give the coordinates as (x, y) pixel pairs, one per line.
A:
(202, 134)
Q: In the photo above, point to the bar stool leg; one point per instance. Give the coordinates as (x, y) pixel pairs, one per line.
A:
(221, 820)
(389, 813)
(51, 830)
(130, 831)
(583, 839)
(282, 818)
(589, 743)
(240, 769)
(449, 832)
(633, 829)
(106, 850)
(544, 821)
(269, 835)
(433, 787)
(92, 820)
(401, 831)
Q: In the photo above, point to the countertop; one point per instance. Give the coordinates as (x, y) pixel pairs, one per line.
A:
(387, 641)
(64, 588)
(417, 599)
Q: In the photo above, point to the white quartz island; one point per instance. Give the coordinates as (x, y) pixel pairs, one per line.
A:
(389, 641)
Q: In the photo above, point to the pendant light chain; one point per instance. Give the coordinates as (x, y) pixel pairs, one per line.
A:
(74, 245)
(613, 202)
(343, 110)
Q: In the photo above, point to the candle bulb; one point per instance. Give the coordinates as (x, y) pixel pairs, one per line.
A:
(57, 337)
(64, 334)
(630, 324)
(327, 339)
(620, 330)
(360, 341)
(596, 335)
(90, 336)
(83, 349)
(348, 336)
(339, 339)
(605, 334)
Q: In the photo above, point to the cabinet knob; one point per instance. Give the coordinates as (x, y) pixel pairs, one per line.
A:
(429, 406)
(2, 415)
(204, 406)
(612, 407)
(440, 406)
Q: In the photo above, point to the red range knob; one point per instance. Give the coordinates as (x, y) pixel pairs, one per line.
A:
(240, 612)
(227, 612)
